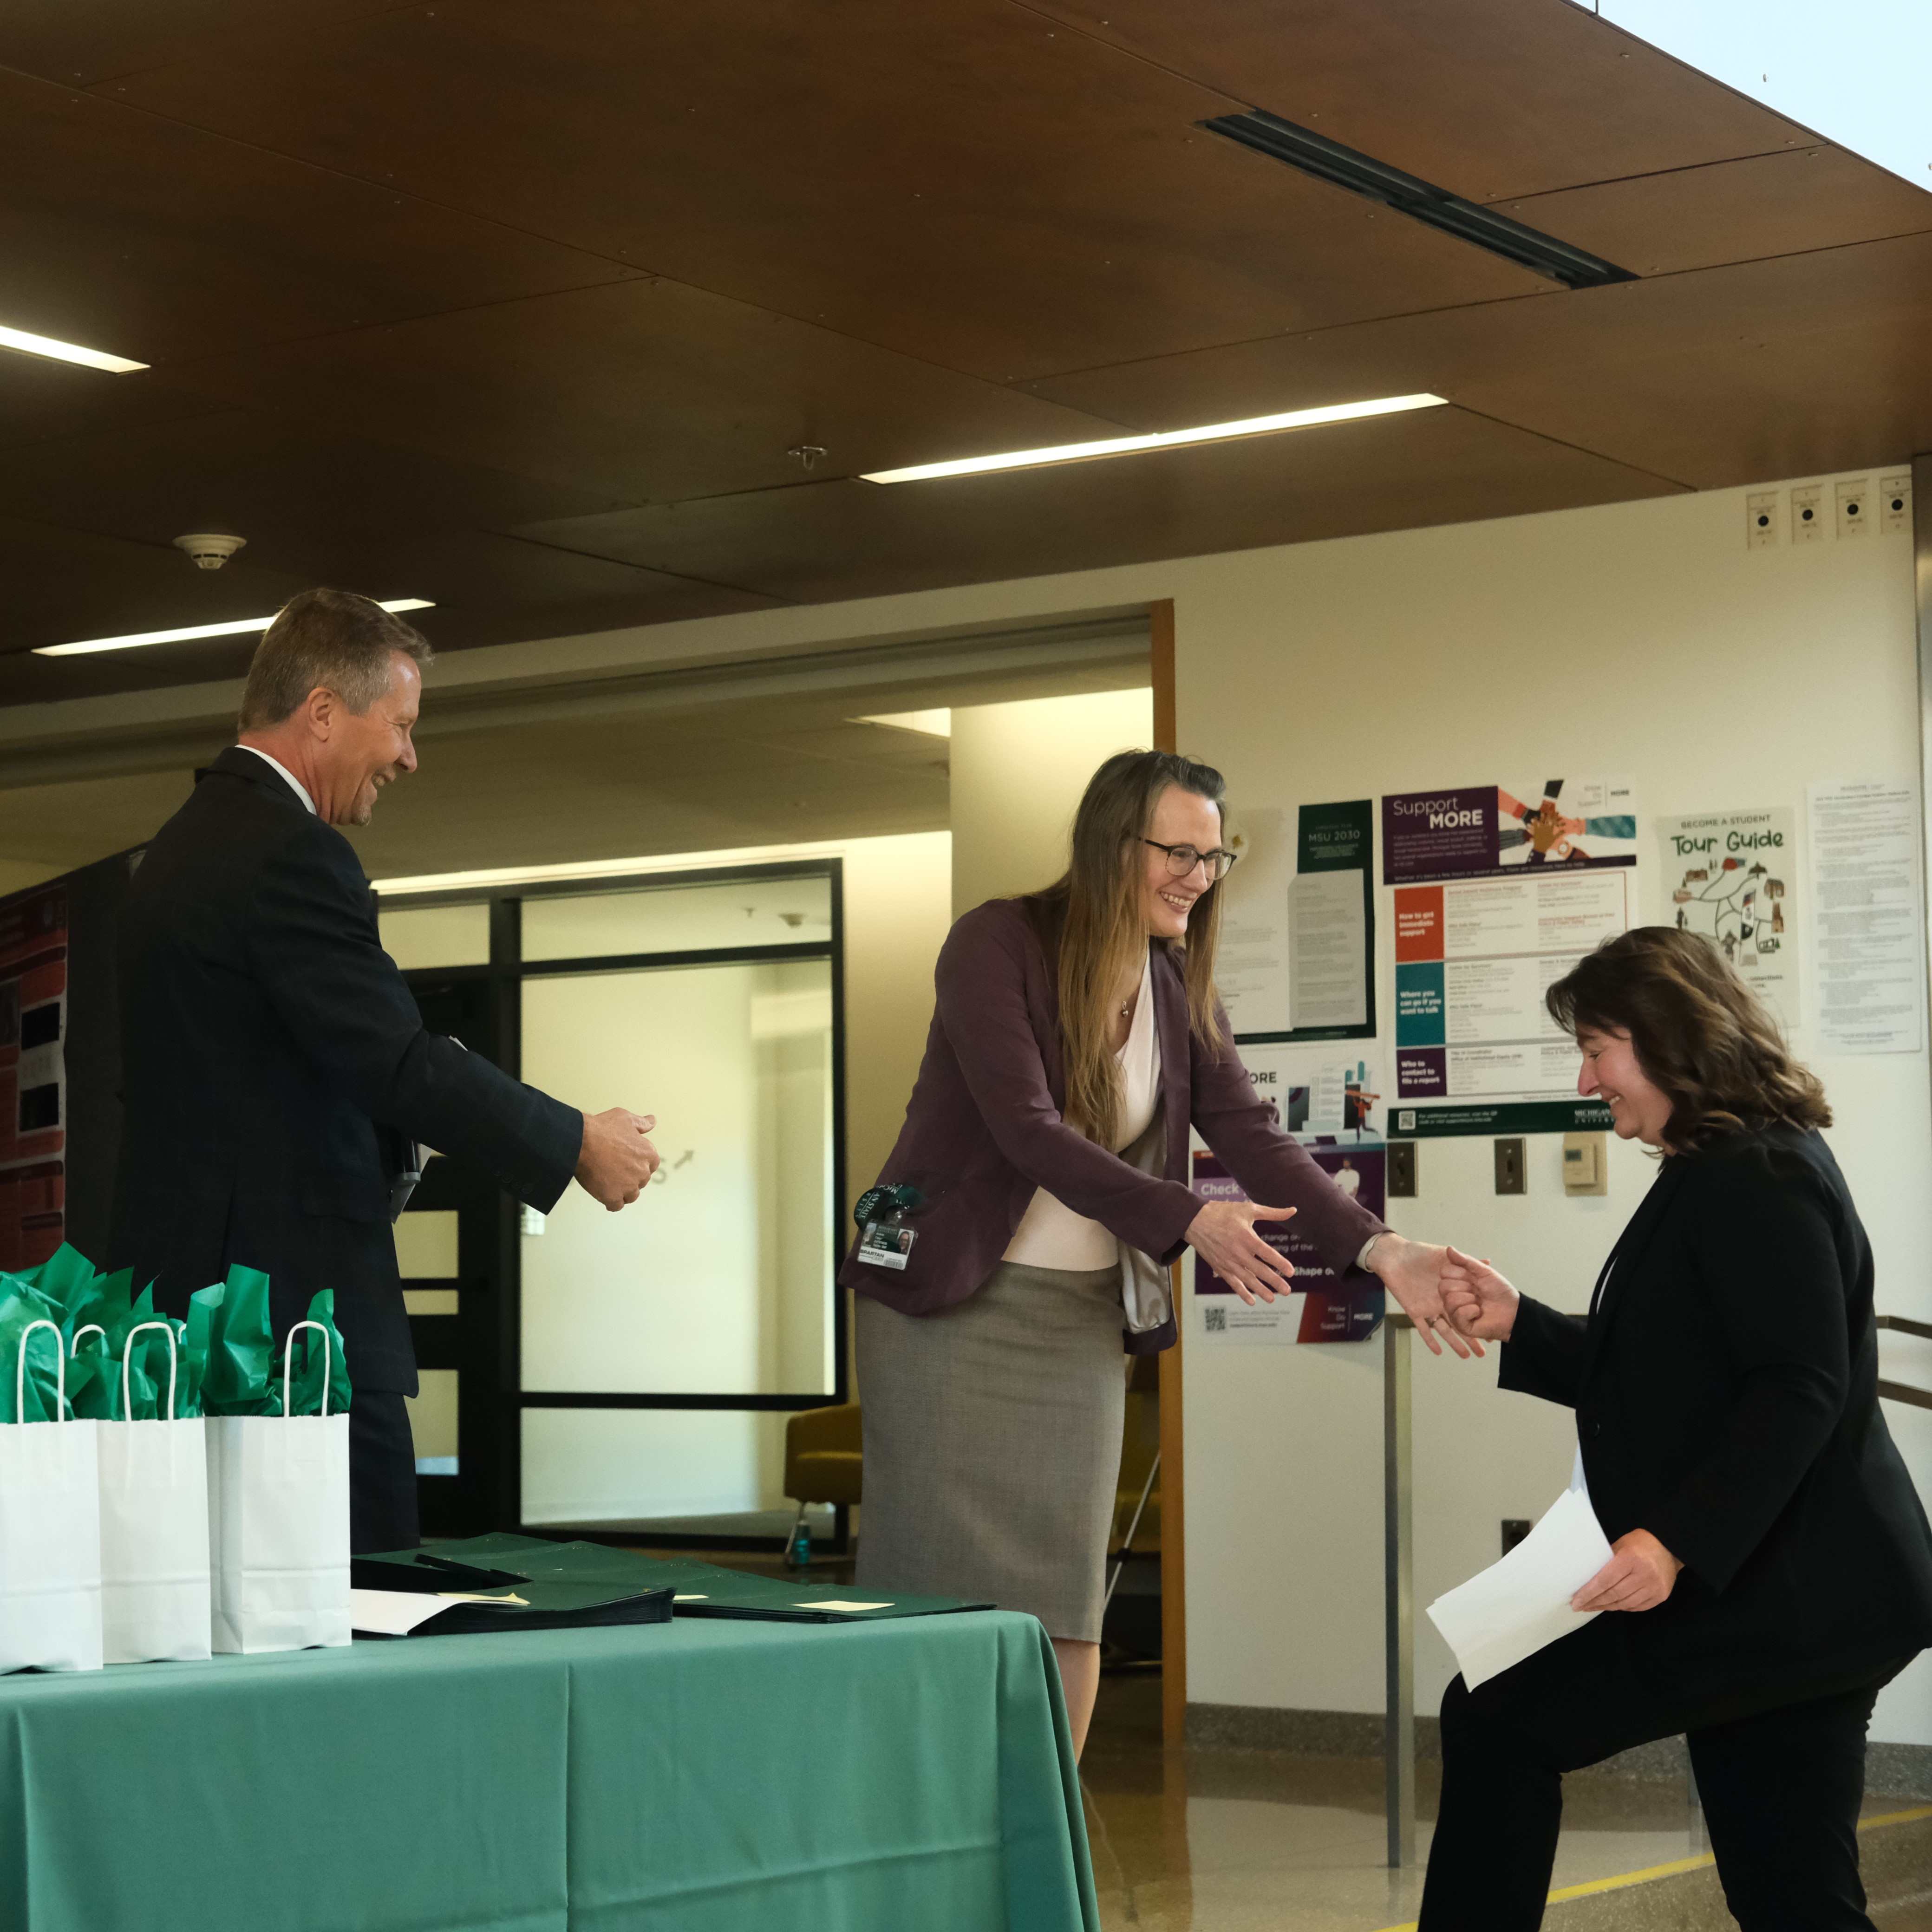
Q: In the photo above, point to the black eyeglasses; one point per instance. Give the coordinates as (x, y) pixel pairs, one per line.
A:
(1182, 859)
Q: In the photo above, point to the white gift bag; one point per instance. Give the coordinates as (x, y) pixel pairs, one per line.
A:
(278, 1523)
(50, 1533)
(154, 1528)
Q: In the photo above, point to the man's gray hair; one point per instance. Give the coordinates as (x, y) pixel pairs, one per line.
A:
(331, 639)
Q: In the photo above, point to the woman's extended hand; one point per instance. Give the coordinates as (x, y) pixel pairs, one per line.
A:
(1414, 1272)
(1223, 1235)
(1480, 1302)
(1640, 1574)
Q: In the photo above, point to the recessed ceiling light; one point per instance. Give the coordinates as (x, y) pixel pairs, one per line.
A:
(65, 352)
(1435, 207)
(235, 629)
(1167, 439)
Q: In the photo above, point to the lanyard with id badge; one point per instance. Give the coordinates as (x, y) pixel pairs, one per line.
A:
(880, 1212)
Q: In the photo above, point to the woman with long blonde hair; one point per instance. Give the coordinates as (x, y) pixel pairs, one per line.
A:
(1020, 1232)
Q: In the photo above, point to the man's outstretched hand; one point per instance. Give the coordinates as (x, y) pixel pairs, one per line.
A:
(616, 1161)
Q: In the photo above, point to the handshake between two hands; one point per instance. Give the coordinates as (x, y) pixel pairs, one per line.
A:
(1452, 1297)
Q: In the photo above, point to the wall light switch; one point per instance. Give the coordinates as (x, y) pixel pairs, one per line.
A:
(1894, 505)
(1401, 1170)
(1585, 1170)
(1807, 513)
(1761, 519)
(1510, 1169)
(1855, 507)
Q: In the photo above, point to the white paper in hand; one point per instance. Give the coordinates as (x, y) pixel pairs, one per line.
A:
(1513, 1608)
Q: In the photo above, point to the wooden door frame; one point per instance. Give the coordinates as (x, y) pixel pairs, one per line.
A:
(1173, 1514)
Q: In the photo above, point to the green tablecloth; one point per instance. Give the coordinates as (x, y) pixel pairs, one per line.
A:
(690, 1777)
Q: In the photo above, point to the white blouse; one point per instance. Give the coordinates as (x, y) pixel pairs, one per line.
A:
(1050, 1234)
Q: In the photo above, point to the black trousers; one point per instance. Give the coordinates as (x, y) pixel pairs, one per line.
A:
(1780, 1789)
(381, 1473)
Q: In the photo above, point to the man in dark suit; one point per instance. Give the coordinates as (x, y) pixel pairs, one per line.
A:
(274, 1066)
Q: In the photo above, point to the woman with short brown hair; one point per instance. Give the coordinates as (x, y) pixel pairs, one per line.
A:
(1771, 1566)
(1041, 1173)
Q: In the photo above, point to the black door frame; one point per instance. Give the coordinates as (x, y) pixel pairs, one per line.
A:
(483, 1340)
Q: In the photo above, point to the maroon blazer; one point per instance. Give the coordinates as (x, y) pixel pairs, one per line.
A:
(983, 1128)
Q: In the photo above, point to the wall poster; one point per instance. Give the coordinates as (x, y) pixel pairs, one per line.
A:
(1297, 957)
(1334, 1106)
(1869, 919)
(1733, 877)
(1495, 899)
(33, 1077)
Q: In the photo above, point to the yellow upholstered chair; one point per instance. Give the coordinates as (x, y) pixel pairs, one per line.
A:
(824, 1457)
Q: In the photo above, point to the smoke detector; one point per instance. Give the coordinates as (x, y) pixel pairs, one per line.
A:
(209, 551)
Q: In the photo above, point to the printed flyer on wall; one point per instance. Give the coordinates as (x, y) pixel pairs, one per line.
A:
(33, 1077)
(1298, 925)
(1473, 962)
(1335, 1107)
(1477, 832)
(1733, 877)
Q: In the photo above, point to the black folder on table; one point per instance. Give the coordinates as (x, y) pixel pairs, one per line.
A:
(705, 1590)
(522, 1582)
(570, 1585)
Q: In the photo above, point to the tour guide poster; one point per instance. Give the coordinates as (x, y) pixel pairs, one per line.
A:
(1489, 831)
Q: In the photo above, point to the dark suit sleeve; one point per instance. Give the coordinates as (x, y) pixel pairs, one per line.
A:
(1544, 1353)
(316, 952)
(1272, 1167)
(982, 1007)
(1761, 1235)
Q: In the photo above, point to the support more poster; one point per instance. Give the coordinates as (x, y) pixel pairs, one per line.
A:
(1494, 831)
(1334, 1106)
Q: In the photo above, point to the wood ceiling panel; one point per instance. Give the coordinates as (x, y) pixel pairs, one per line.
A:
(129, 233)
(1487, 98)
(1784, 367)
(853, 539)
(648, 391)
(968, 182)
(41, 401)
(104, 39)
(1742, 211)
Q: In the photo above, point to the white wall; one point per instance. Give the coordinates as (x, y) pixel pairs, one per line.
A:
(1640, 639)
(1017, 771)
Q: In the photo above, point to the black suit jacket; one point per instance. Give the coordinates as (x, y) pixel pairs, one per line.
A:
(266, 1039)
(1726, 1394)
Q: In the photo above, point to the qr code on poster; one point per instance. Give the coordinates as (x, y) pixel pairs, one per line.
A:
(1215, 1321)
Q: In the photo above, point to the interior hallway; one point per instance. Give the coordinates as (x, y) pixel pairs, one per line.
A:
(1225, 1840)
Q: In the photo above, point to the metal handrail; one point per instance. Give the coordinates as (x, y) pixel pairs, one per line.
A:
(1906, 1392)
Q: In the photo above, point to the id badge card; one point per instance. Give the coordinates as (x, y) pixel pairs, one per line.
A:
(886, 1244)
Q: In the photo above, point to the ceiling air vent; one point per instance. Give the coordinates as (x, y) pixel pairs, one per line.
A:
(1328, 161)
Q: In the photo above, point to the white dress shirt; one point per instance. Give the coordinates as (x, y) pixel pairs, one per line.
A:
(295, 784)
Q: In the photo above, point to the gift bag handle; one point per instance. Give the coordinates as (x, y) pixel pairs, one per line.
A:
(174, 1360)
(288, 1357)
(20, 1371)
(92, 1328)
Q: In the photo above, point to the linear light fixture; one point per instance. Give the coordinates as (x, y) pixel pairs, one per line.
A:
(65, 352)
(1328, 161)
(1166, 438)
(237, 629)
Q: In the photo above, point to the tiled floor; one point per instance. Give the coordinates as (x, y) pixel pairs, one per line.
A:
(1231, 1840)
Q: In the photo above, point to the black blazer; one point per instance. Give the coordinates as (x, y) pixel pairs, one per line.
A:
(266, 1038)
(1726, 1394)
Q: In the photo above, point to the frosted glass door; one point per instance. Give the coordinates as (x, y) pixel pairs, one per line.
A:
(718, 1281)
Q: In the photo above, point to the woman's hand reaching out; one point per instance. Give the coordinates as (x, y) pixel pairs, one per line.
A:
(1223, 1235)
(1480, 1302)
(1416, 1274)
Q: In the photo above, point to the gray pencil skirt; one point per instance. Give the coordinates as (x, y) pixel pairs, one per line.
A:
(993, 1445)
